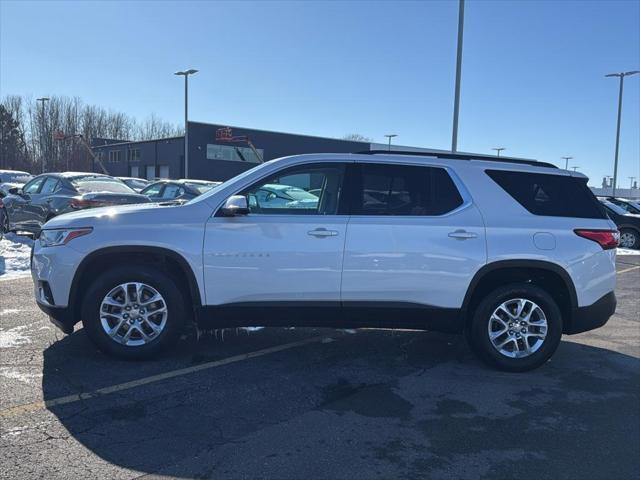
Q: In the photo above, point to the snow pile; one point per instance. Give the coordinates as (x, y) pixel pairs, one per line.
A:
(15, 251)
(627, 251)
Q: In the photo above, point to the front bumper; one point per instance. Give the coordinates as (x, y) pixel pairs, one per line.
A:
(593, 316)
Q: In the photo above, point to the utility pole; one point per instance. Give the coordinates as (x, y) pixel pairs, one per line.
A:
(42, 130)
(498, 149)
(456, 101)
(620, 75)
(566, 162)
(186, 74)
(390, 136)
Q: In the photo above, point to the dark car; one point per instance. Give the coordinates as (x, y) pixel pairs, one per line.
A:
(51, 194)
(628, 224)
(630, 206)
(169, 190)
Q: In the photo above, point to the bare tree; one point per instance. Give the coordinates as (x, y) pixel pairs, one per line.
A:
(54, 137)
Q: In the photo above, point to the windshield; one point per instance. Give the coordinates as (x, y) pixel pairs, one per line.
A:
(135, 183)
(614, 207)
(100, 184)
(202, 187)
(237, 178)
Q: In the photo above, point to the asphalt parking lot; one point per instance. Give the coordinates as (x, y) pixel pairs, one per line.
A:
(317, 403)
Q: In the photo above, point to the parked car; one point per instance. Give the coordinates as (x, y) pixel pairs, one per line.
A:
(628, 224)
(29, 207)
(138, 184)
(511, 253)
(14, 176)
(167, 190)
(283, 196)
(629, 205)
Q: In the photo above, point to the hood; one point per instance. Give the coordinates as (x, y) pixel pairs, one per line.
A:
(125, 213)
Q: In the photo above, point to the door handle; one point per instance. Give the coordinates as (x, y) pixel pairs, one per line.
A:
(322, 232)
(462, 235)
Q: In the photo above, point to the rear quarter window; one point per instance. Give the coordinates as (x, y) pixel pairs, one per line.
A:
(548, 194)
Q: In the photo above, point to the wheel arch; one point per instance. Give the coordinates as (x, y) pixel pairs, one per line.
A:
(164, 258)
(551, 277)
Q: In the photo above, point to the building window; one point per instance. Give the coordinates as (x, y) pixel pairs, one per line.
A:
(114, 156)
(232, 153)
(133, 155)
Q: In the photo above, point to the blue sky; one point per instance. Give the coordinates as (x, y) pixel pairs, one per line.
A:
(533, 71)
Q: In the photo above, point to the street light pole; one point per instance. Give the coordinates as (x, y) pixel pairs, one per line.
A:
(42, 130)
(575, 168)
(456, 101)
(621, 75)
(186, 74)
(566, 162)
(498, 149)
(390, 136)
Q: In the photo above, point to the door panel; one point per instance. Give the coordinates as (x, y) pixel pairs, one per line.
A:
(289, 250)
(424, 249)
(273, 258)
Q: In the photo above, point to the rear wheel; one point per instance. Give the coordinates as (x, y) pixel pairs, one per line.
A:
(629, 238)
(133, 312)
(516, 328)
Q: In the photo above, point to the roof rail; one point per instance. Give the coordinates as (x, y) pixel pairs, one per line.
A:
(460, 156)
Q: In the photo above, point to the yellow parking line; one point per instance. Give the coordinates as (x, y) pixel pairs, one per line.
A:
(629, 269)
(30, 407)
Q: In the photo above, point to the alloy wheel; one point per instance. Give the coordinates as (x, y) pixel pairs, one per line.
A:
(517, 328)
(133, 314)
(627, 239)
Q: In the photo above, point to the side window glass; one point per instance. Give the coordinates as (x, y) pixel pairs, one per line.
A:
(50, 186)
(170, 191)
(33, 186)
(153, 190)
(306, 190)
(405, 190)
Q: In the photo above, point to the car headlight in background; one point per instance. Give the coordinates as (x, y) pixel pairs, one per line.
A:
(54, 238)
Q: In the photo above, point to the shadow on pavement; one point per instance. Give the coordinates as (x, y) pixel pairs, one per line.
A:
(374, 404)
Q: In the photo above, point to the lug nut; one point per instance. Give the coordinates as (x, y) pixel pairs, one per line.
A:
(518, 335)
(524, 330)
(126, 315)
(127, 308)
(510, 332)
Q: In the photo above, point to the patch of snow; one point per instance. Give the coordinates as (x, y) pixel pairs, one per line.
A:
(15, 253)
(627, 251)
(12, 374)
(9, 311)
(14, 337)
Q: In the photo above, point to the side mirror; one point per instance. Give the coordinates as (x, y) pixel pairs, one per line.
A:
(234, 206)
(15, 191)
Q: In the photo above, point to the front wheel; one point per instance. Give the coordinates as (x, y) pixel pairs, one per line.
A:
(133, 312)
(516, 328)
(629, 238)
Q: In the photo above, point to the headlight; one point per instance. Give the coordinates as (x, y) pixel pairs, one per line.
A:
(53, 238)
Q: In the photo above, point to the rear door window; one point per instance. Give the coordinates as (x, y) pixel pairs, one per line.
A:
(549, 194)
(404, 190)
(50, 185)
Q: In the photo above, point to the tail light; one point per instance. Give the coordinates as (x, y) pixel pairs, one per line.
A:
(607, 239)
(79, 203)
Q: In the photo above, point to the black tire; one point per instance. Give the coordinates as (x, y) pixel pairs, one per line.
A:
(160, 281)
(630, 233)
(478, 333)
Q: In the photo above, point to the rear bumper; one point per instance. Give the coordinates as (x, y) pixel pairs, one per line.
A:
(61, 317)
(593, 316)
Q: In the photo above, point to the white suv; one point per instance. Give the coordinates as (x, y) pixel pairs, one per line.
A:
(512, 253)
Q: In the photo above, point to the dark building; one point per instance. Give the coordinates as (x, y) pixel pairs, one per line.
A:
(213, 155)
